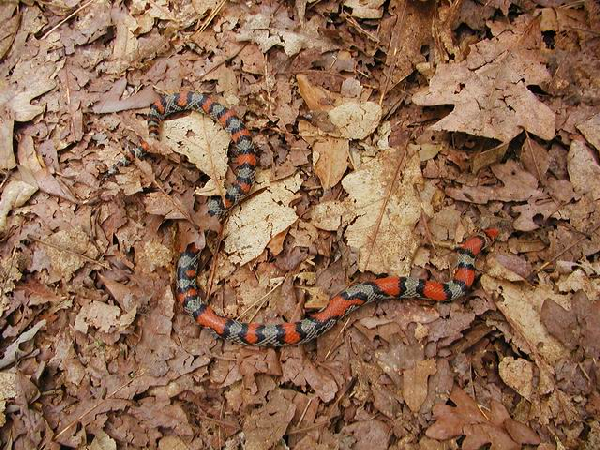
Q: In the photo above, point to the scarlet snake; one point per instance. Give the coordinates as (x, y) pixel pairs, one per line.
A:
(314, 325)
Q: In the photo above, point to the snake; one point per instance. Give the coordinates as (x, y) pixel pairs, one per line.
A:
(243, 161)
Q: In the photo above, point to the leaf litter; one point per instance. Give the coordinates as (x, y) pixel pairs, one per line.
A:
(387, 132)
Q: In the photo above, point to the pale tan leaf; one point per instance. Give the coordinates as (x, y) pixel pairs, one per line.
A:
(518, 374)
(204, 143)
(386, 205)
(584, 171)
(251, 227)
(15, 194)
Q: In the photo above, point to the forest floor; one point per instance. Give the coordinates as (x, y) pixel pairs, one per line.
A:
(387, 133)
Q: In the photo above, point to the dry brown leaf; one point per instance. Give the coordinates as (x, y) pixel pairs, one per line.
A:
(415, 383)
(67, 252)
(10, 22)
(330, 154)
(140, 99)
(102, 441)
(315, 97)
(365, 9)
(535, 158)
(99, 315)
(32, 78)
(489, 90)
(7, 384)
(467, 419)
(518, 185)
(32, 167)
(521, 305)
(386, 205)
(125, 46)
(11, 354)
(328, 215)
(164, 205)
(450, 421)
(518, 374)
(578, 280)
(267, 425)
(7, 155)
(15, 194)
(591, 130)
(536, 207)
(251, 227)
(270, 29)
(204, 143)
(584, 171)
(330, 157)
(356, 120)
(151, 255)
(412, 29)
(371, 434)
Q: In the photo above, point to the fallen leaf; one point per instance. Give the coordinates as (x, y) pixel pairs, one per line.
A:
(99, 315)
(521, 305)
(383, 206)
(489, 90)
(11, 354)
(584, 171)
(518, 185)
(356, 120)
(365, 9)
(15, 194)
(204, 143)
(251, 227)
(518, 374)
(267, 425)
(415, 383)
(69, 250)
(591, 130)
(330, 154)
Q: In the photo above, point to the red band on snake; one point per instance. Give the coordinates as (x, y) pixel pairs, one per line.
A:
(351, 298)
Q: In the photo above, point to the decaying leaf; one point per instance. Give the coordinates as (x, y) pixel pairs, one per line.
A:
(260, 218)
(385, 204)
(68, 251)
(356, 120)
(521, 305)
(584, 170)
(518, 374)
(518, 185)
(591, 130)
(415, 383)
(330, 154)
(466, 418)
(370, 9)
(204, 143)
(489, 90)
(15, 194)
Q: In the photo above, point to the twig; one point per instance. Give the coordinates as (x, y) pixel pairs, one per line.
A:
(91, 408)
(54, 28)
(566, 249)
(383, 208)
(262, 302)
(212, 15)
(66, 250)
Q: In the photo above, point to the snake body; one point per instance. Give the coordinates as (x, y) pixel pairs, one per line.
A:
(351, 298)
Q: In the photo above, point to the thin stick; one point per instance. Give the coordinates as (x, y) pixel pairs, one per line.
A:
(60, 249)
(81, 8)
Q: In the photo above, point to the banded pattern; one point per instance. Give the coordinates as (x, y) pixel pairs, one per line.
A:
(244, 157)
(312, 326)
(351, 298)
